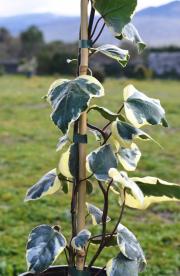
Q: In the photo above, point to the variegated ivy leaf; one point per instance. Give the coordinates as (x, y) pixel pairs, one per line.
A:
(89, 187)
(100, 161)
(62, 142)
(47, 185)
(96, 134)
(44, 245)
(106, 113)
(155, 190)
(141, 110)
(125, 134)
(114, 52)
(130, 246)
(108, 240)
(64, 183)
(121, 266)
(116, 13)
(96, 214)
(131, 33)
(81, 240)
(67, 163)
(129, 157)
(126, 182)
(69, 98)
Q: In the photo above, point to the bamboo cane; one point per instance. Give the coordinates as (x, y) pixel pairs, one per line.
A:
(83, 131)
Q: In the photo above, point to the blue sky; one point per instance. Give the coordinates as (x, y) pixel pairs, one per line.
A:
(66, 7)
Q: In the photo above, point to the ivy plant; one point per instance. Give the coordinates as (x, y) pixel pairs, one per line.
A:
(109, 167)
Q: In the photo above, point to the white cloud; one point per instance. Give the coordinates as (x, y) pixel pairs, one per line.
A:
(66, 7)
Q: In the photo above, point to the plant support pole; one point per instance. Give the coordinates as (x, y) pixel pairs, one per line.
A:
(82, 131)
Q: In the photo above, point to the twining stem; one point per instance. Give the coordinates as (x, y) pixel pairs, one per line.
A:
(108, 124)
(104, 220)
(120, 216)
(99, 34)
(104, 235)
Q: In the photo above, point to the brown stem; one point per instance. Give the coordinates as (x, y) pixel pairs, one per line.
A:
(103, 242)
(120, 217)
(104, 220)
(108, 124)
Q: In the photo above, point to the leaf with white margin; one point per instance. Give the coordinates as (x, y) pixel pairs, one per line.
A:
(47, 185)
(155, 190)
(44, 245)
(108, 241)
(129, 157)
(97, 134)
(114, 52)
(106, 113)
(126, 182)
(116, 13)
(121, 266)
(80, 241)
(69, 98)
(62, 142)
(141, 110)
(125, 134)
(130, 32)
(96, 214)
(130, 246)
(100, 161)
(67, 163)
(64, 183)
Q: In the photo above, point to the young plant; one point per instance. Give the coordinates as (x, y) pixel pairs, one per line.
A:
(108, 165)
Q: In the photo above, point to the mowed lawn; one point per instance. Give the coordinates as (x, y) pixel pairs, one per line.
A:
(27, 150)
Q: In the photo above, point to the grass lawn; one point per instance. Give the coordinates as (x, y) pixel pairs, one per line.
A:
(27, 151)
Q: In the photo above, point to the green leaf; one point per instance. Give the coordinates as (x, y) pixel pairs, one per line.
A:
(96, 214)
(130, 246)
(47, 185)
(68, 162)
(155, 190)
(106, 113)
(126, 182)
(96, 134)
(125, 134)
(62, 142)
(129, 157)
(116, 13)
(69, 98)
(141, 110)
(131, 33)
(114, 52)
(121, 266)
(44, 245)
(99, 162)
(81, 240)
(89, 187)
(64, 183)
(109, 241)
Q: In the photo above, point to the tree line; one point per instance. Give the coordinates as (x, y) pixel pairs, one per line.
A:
(51, 57)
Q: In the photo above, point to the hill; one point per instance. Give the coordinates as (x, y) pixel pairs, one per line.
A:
(158, 26)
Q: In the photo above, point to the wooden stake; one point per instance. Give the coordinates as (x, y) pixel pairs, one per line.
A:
(83, 131)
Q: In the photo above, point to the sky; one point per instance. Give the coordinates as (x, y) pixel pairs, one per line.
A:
(62, 7)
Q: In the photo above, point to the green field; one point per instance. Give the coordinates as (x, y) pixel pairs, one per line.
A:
(27, 151)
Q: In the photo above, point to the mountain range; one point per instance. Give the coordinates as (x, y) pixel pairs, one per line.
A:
(159, 26)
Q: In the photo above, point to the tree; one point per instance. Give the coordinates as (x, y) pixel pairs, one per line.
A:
(5, 35)
(32, 41)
